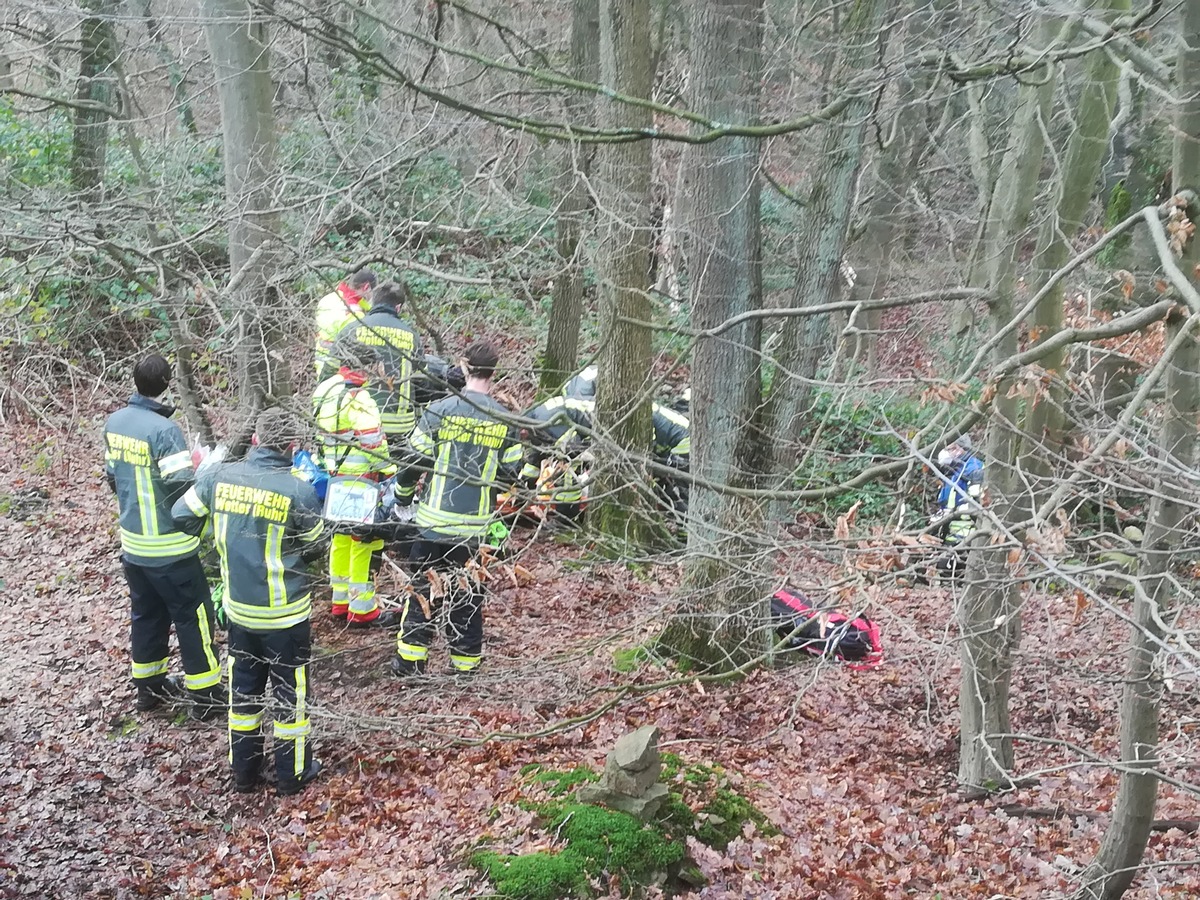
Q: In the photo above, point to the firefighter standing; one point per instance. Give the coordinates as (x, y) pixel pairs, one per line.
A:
(398, 346)
(353, 444)
(149, 466)
(265, 520)
(961, 490)
(473, 453)
(347, 304)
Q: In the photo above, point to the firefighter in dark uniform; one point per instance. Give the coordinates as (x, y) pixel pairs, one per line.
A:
(149, 466)
(267, 522)
(565, 428)
(582, 386)
(471, 451)
(554, 453)
(397, 347)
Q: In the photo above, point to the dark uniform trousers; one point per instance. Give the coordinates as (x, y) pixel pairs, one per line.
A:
(159, 596)
(464, 617)
(280, 657)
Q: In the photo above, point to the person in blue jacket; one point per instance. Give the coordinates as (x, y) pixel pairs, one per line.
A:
(961, 478)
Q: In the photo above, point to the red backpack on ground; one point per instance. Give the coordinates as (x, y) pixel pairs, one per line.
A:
(802, 627)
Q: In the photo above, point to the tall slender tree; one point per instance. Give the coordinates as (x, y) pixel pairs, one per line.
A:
(721, 616)
(821, 236)
(95, 93)
(1172, 507)
(989, 610)
(1045, 420)
(622, 406)
(566, 309)
(237, 40)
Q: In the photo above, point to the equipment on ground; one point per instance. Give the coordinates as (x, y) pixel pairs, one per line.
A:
(801, 626)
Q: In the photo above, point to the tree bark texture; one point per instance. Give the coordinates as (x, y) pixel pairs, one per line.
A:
(175, 73)
(1116, 863)
(989, 611)
(896, 171)
(622, 513)
(1120, 854)
(1045, 420)
(821, 238)
(723, 616)
(566, 309)
(96, 85)
(238, 43)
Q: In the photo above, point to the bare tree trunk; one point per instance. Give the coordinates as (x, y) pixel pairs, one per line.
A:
(896, 172)
(566, 309)
(238, 42)
(1120, 854)
(989, 612)
(723, 610)
(1045, 420)
(175, 74)
(622, 407)
(95, 91)
(821, 239)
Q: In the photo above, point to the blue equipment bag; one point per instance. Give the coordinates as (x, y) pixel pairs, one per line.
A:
(306, 467)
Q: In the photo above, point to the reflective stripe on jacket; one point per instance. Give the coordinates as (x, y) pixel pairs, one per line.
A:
(352, 438)
(961, 494)
(263, 518)
(149, 466)
(475, 453)
(397, 345)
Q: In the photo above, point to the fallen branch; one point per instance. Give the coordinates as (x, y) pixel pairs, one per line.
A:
(1187, 826)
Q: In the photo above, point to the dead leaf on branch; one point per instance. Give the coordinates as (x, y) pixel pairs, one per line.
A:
(1081, 603)
(943, 393)
(1125, 277)
(437, 585)
(841, 529)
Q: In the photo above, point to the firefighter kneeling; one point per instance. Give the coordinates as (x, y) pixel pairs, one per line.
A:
(353, 444)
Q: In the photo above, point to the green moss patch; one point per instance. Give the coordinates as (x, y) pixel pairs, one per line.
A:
(557, 784)
(597, 843)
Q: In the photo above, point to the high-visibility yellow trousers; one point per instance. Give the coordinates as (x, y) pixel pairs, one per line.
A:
(350, 577)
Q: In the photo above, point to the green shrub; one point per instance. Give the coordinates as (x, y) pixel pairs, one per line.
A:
(846, 434)
(596, 841)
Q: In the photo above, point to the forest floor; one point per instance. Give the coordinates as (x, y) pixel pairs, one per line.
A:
(856, 770)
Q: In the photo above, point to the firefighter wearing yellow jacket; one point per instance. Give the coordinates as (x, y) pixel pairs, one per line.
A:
(353, 443)
(266, 522)
(149, 466)
(347, 304)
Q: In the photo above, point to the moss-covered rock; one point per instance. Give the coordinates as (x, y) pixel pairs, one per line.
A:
(598, 842)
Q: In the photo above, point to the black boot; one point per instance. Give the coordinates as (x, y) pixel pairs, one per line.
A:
(290, 787)
(152, 693)
(403, 668)
(387, 618)
(208, 704)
